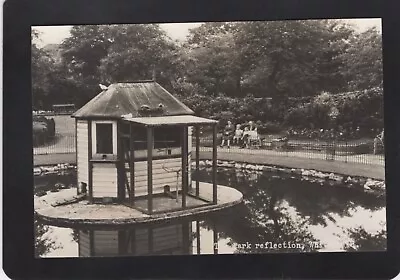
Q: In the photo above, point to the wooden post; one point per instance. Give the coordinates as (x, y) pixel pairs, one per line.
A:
(197, 160)
(120, 165)
(150, 146)
(214, 170)
(76, 151)
(186, 237)
(132, 165)
(91, 243)
(184, 165)
(198, 237)
(122, 243)
(215, 238)
(150, 239)
(90, 164)
(132, 237)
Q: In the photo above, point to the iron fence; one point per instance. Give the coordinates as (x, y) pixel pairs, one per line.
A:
(347, 152)
(354, 151)
(61, 143)
(361, 151)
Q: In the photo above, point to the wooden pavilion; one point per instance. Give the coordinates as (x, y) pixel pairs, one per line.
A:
(134, 147)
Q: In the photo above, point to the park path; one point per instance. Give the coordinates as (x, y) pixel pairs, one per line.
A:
(375, 171)
(351, 169)
(369, 159)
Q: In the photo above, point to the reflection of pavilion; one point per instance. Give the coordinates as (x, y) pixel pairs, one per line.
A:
(179, 238)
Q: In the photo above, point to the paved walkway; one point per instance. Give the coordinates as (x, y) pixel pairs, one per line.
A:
(361, 158)
(52, 159)
(350, 168)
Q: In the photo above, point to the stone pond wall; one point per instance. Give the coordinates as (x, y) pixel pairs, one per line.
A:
(365, 184)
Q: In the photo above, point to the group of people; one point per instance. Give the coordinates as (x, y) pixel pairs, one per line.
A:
(240, 134)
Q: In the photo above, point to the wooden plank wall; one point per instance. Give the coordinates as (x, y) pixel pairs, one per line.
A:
(82, 151)
(104, 180)
(105, 243)
(84, 243)
(160, 176)
(166, 240)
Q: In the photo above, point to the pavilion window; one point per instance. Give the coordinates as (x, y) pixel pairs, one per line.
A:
(104, 138)
(167, 137)
(140, 138)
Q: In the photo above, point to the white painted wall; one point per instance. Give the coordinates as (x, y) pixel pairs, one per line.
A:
(82, 151)
(105, 180)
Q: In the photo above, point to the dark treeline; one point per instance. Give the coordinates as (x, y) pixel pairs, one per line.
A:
(309, 62)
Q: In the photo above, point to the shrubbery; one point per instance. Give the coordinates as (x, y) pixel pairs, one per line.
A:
(43, 130)
(345, 113)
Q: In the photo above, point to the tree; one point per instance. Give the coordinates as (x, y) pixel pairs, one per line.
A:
(291, 58)
(136, 52)
(362, 60)
(213, 63)
(41, 67)
(96, 54)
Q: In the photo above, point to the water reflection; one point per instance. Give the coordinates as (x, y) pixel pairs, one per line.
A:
(315, 201)
(280, 213)
(185, 237)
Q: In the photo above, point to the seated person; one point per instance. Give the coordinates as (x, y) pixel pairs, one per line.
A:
(245, 138)
(252, 126)
(238, 135)
(228, 134)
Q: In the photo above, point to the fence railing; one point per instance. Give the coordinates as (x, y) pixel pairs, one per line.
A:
(364, 152)
(348, 152)
(61, 143)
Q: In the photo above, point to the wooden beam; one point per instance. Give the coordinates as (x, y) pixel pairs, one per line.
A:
(120, 165)
(186, 236)
(197, 160)
(122, 243)
(150, 240)
(91, 243)
(90, 164)
(132, 237)
(184, 165)
(132, 164)
(215, 238)
(76, 153)
(150, 145)
(214, 169)
(198, 237)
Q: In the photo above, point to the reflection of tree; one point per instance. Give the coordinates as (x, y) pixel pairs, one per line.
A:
(75, 235)
(319, 202)
(313, 200)
(365, 241)
(262, 219)
(43, 244)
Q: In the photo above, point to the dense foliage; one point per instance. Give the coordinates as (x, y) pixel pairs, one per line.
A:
(285, 74)
(43, 130)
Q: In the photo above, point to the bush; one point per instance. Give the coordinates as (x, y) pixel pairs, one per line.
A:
(43, 130)
(269, 128)
(363, 148)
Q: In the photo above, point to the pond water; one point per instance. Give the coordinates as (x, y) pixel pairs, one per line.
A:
(280, 213)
